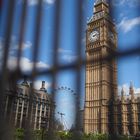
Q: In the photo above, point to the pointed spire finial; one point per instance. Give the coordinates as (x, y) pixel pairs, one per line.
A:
(131, 89)
(99, 1)
(122, 91)
(131, 84)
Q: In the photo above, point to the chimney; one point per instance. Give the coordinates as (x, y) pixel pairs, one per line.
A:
(43, 86)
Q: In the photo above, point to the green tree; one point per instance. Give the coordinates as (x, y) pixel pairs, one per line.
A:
(37, 134)
(19, 134)
(64, 135)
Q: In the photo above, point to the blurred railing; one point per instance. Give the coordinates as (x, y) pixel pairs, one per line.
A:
(7, 75)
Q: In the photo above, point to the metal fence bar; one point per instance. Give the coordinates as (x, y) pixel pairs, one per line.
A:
(22, 33)
(55, 70)
(79, 19)
(76, 66)
(4, 73)
(36, 43)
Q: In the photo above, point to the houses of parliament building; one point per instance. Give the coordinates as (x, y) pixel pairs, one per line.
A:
(105, 111)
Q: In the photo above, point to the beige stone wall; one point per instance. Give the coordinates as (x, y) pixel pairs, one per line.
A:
(101, 79)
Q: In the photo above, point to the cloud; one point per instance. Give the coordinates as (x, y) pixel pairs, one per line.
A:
(137, 90)
(126, 87)
(118, 2)
(49, 1)
(61, 50)
(130, 3)
(14, 48)
(69, 58)
(14, 45)
(127, 25)
(66, 55)
(26, 64)
(35, 2)
(26, 45)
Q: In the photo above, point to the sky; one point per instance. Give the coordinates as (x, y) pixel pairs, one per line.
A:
(127, 21)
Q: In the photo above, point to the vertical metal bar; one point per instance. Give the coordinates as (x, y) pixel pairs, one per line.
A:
(4, 72)
(38, 22)
(0, 3)
(138, 107)
(111, 125)
(22, 32)
(56, 18)
(7, 34)
(36, 43)
(79, 19)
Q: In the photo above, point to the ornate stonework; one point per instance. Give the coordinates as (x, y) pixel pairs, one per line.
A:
(105, 111)
(101, 73)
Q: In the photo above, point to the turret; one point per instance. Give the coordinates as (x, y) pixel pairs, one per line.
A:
(101, 5)
(122, 94)
(131, 90)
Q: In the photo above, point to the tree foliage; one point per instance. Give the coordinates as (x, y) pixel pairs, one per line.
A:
(64, 135)
(19, 134)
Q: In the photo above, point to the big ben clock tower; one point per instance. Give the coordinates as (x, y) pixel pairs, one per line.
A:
(101, 73)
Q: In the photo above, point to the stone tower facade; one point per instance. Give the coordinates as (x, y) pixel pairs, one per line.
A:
(101, 71)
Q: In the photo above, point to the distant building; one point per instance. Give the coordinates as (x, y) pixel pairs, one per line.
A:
(22, 113)
(128, 112)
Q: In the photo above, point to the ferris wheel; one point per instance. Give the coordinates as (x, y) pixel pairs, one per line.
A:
(62, 114)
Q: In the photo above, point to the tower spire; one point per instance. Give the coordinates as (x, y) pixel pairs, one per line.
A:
(131, 84)
(122, 92)
(101, 1)
(101, 6)
(131, 89)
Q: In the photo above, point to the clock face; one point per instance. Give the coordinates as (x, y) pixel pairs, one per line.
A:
(94, 36)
